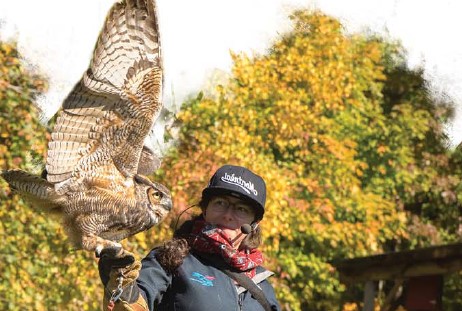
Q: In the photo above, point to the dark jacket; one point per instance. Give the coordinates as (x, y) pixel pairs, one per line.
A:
(197, 285)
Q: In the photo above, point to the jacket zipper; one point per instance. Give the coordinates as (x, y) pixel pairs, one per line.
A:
(239, 301)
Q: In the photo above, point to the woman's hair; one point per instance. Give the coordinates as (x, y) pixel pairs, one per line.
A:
(172, 253)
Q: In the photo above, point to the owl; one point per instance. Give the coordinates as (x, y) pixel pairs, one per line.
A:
(96, 160)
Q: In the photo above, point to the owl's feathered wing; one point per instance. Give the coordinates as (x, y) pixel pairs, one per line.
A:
(99, 133)
(97, 153)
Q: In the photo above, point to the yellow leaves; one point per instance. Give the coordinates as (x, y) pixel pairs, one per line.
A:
(382, 170)
(351, 306)
(327, 212)
(355, 189)
(6, 48)
(342, 151)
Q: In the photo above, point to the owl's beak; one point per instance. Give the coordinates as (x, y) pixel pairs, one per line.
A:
(167, 203)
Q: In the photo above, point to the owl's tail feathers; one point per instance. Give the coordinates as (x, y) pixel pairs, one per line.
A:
(38, 191)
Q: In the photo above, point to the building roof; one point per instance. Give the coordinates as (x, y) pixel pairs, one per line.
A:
(441, 259)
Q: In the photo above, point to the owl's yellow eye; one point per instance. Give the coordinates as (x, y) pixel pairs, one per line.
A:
(154, 195)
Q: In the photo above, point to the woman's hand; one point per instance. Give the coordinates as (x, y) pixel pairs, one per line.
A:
(118, 270)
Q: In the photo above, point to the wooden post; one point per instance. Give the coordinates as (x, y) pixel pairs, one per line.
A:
(369, 296)
(394, 294)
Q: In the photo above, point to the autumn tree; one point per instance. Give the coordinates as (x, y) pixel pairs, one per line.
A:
(348, 140)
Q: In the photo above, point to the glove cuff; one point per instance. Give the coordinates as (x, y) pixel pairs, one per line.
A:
(138, 303)
(130, 293)
(127, 292)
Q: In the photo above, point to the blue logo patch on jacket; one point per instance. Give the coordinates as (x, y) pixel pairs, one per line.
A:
(202, 279)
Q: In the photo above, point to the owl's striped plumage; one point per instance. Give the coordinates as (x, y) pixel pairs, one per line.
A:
(96, 157)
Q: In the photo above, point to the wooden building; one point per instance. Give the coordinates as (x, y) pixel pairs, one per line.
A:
(417, 276)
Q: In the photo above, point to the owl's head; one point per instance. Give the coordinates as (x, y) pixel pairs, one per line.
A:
(154, 197)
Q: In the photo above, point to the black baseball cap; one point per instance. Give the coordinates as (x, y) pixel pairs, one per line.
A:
(240, 182)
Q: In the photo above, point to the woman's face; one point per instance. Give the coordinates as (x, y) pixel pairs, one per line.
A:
(229, 213)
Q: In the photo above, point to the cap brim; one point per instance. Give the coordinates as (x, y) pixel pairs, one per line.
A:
(214, 191)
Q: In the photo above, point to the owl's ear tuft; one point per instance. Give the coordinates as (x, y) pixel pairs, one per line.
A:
(148, 163)
(142, 180)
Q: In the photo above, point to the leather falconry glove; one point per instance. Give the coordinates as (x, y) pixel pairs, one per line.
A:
(118, 270)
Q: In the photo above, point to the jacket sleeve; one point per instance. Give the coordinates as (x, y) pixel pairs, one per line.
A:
(267, 288)
(153, 280)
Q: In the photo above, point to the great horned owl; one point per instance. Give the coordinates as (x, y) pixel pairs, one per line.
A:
(96, 160)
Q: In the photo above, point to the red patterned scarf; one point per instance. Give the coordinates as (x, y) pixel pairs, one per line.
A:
(207, 238)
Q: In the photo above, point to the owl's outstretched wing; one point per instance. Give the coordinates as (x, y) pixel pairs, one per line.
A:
(105, 119)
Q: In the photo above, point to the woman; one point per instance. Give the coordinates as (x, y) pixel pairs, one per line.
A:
(212, 263)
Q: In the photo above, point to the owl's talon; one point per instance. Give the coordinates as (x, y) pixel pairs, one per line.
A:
(98, 250)
(112, 251)
(116, 257)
